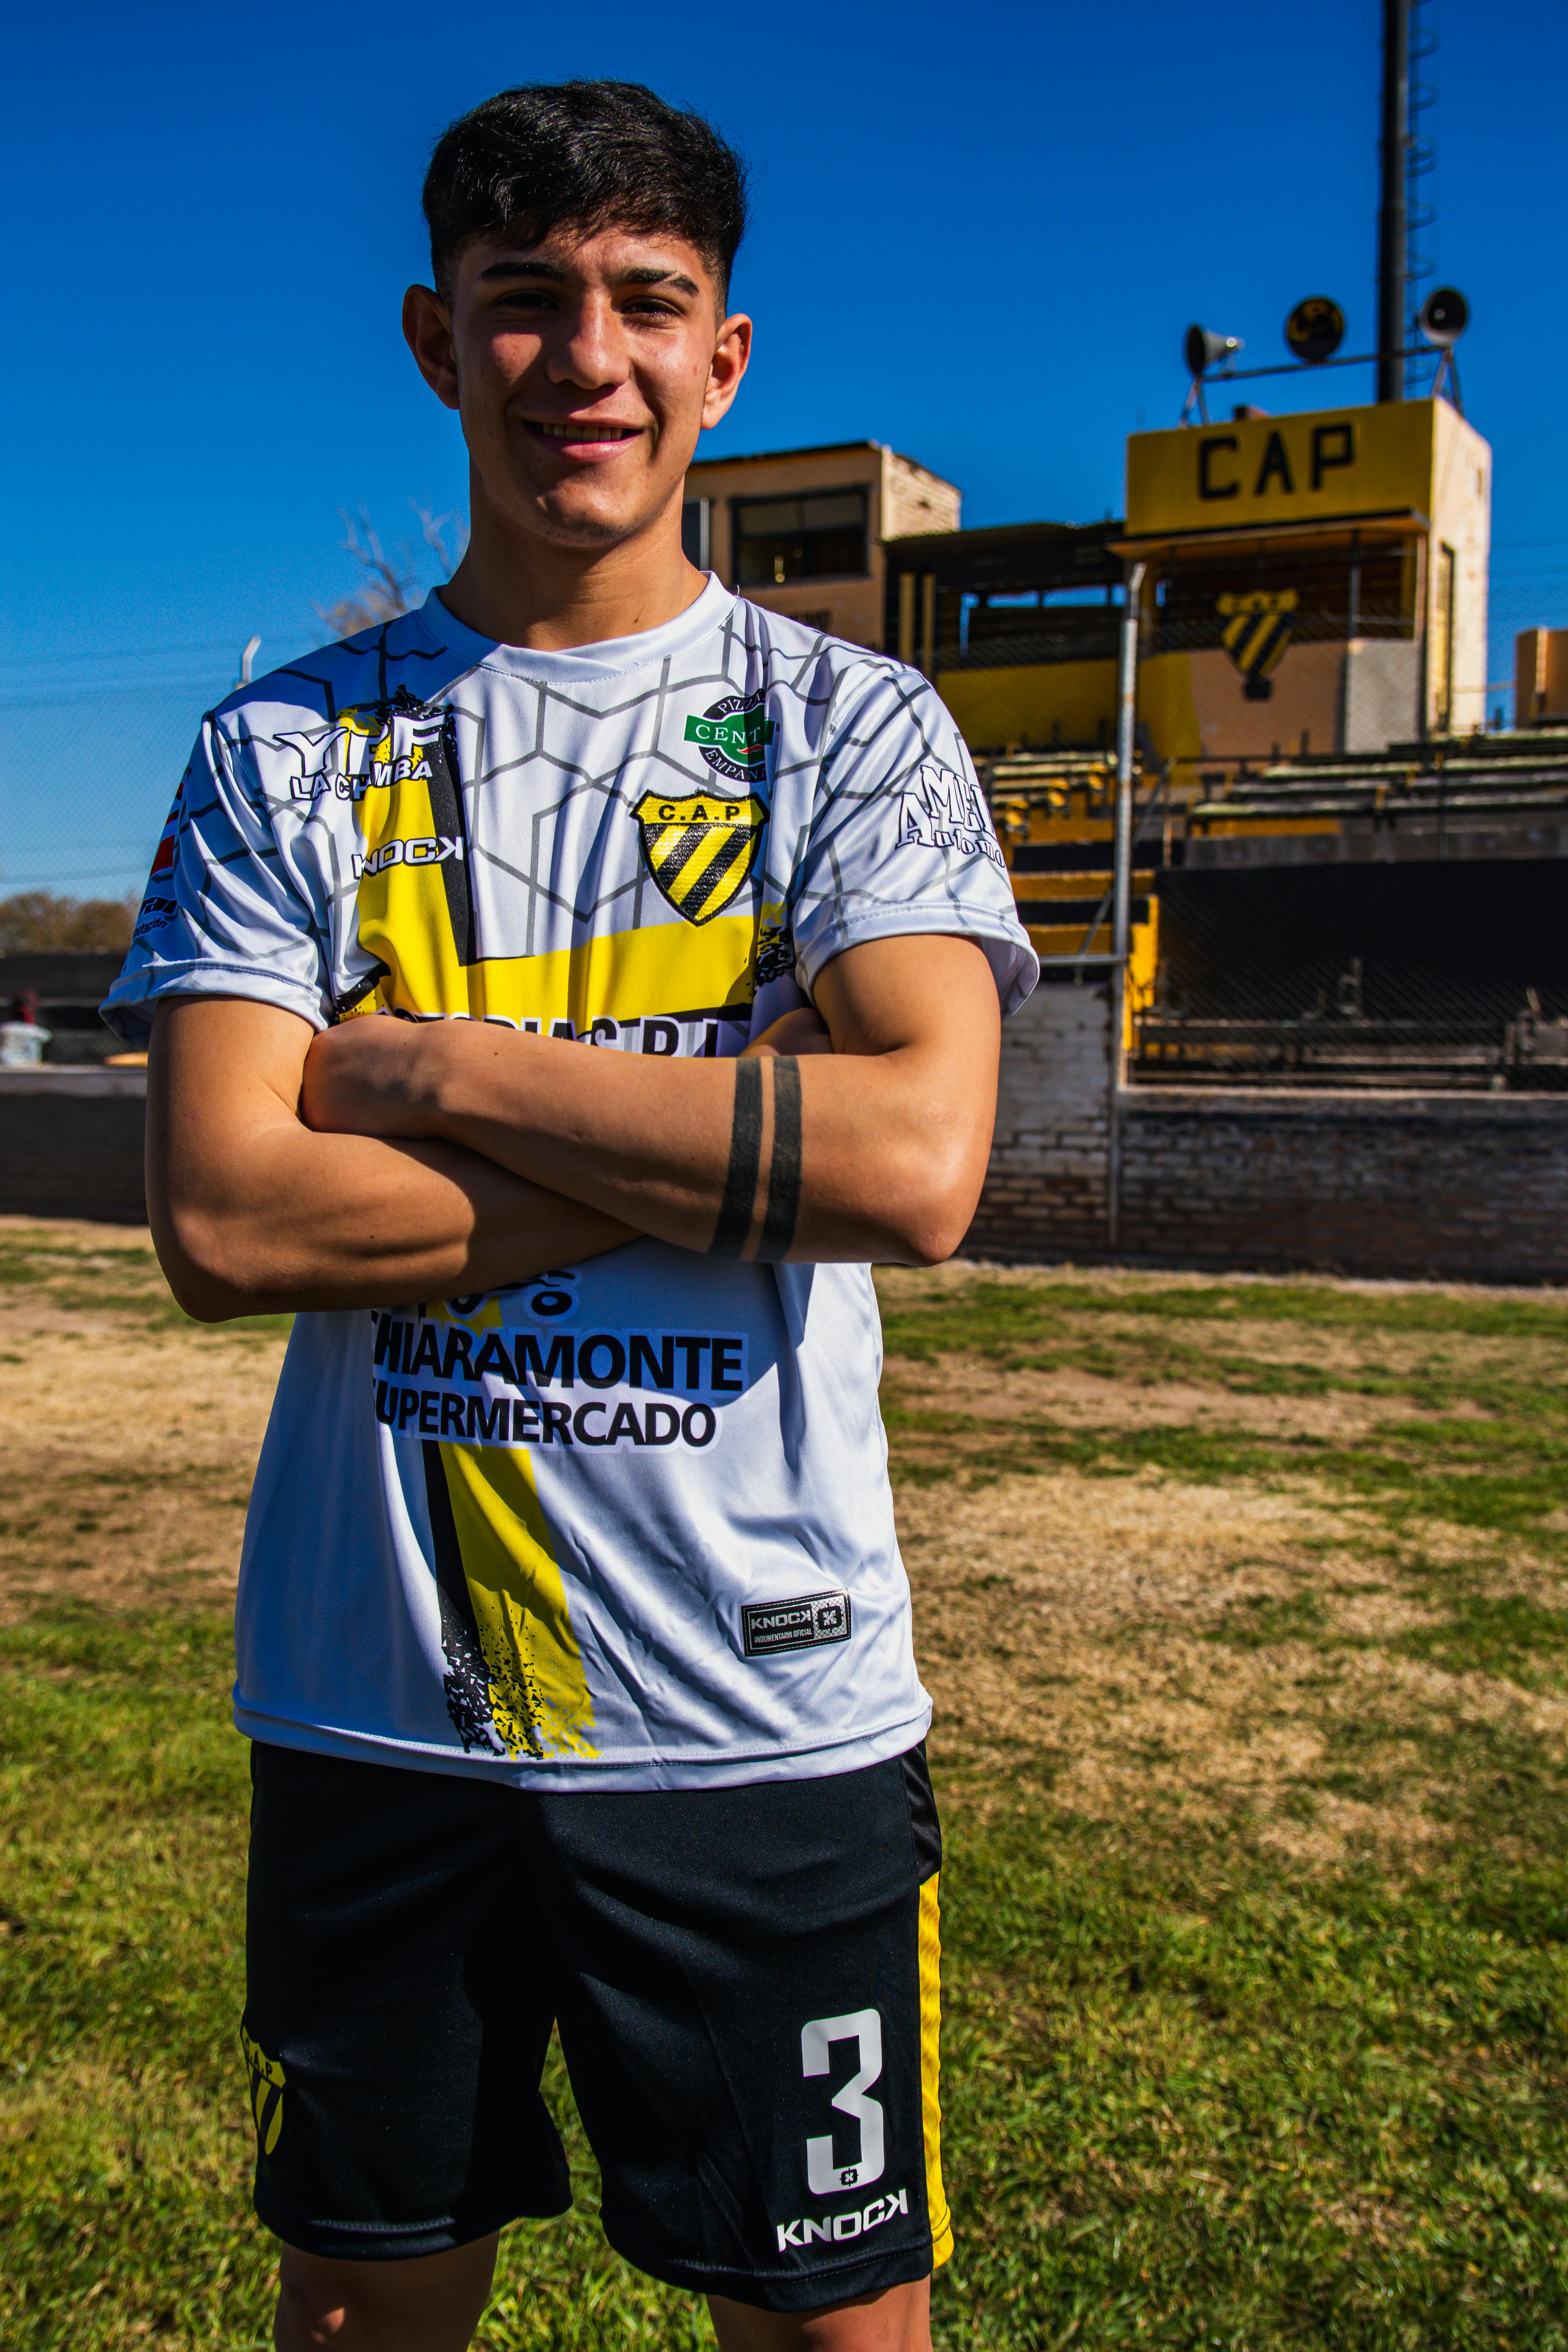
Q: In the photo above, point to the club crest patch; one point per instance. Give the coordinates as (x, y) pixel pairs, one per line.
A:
(699, 847)
(733, 736)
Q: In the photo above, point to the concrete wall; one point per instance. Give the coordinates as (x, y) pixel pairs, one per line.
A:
(1539, 675)
(1473, 1187)
(70, 1144)
(1462, 511)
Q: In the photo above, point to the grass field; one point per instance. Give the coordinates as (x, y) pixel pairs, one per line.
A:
(1244, 1607)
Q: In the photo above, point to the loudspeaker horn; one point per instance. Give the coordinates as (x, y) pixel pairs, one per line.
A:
(1442, 317)
(1202, 348)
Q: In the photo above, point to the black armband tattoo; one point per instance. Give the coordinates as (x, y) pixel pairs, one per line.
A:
(783, 1167)
(733, 1228)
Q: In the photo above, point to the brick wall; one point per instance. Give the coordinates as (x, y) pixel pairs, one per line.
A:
(1046, 1192)
(1473, 1187)
(1466, 1186)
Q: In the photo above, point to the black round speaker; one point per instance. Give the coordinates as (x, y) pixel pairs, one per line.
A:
(1315, 330)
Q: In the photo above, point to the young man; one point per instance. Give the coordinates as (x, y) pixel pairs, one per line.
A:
(573, 1637)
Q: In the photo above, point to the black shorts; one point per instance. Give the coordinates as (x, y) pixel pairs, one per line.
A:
(745, 1985)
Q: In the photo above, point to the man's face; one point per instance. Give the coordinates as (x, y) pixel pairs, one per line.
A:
(583, 369)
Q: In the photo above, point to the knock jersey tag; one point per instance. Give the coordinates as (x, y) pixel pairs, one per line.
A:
(806, 1624)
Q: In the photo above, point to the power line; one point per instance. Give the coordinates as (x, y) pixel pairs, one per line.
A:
(126, 653)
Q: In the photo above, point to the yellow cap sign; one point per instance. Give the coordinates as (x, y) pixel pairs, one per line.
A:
(1327, 464)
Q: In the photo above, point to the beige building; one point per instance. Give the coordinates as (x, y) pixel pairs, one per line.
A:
(1539, 675)
(1315, 582)
(801, 530)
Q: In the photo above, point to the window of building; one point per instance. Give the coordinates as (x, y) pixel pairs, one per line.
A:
(781, 540)
(695, 517)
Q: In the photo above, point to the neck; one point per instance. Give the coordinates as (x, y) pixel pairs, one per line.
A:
(537, 593)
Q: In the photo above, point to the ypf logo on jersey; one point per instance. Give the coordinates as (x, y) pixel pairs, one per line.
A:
(700, 847)
(371, 747)
(733, 736)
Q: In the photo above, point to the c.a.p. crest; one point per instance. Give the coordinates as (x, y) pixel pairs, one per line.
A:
(699, 847)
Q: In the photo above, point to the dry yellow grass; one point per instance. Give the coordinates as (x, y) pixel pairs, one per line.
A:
(127, 1436)
(1071, 1626)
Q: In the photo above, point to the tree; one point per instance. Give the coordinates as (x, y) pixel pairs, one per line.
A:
(386, 580)
(35, 920)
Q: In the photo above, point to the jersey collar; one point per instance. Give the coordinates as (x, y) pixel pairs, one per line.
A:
(613, 657)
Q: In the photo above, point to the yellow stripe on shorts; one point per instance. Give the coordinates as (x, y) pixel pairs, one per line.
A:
(930, 2069)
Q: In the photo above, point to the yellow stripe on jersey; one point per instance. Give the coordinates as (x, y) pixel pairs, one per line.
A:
(539, 1699)
(930, 2069)
(266, 2078)
(663, 968)
(659, 968)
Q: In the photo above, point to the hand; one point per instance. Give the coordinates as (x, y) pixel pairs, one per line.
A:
(374, 1076)
(804, 1031)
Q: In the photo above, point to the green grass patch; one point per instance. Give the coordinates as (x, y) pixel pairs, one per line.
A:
(1196, 2093)
(996, 1317)
(90, 1277)
(1191, 2097)
(1486, 1446)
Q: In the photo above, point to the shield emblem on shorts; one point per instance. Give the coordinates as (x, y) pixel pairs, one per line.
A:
(699, 847)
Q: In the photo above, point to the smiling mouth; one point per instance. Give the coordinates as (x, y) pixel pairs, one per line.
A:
(582, 432)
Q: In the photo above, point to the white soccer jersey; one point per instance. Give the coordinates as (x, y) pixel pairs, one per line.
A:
(628, 1526)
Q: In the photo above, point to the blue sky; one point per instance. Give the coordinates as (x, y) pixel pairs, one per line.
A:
(979, 235)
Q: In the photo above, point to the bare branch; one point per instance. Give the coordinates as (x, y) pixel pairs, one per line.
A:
(386, 583)
(434, 528)
(389, 584)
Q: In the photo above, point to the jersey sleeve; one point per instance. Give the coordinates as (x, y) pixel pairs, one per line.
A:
(222, 915)
(902, 841)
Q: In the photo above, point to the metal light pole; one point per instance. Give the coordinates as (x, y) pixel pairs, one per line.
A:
(1391, 224)
(253, 647)
(1122, 888)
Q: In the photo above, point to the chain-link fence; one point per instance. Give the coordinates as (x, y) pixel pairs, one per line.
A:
(92, 749)
(1399, 974)
(1387, 907)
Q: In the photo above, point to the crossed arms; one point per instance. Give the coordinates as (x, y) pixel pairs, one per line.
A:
(391, 1160)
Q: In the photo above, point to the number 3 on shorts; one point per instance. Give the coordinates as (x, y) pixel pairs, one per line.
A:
(863, 2027)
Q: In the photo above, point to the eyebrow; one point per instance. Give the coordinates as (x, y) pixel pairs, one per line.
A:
(646, 274)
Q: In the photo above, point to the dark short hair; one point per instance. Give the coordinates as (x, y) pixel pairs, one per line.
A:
(583, 155)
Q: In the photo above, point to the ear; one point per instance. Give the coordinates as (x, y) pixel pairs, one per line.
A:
(428, 332)
(732, 356)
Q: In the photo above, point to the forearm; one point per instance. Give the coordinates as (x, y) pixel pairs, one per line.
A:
(824, 1158)
(860, 1134)
(354, 1221)
(252, 1212)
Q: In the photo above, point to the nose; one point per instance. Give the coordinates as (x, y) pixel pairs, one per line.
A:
(592, 352)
